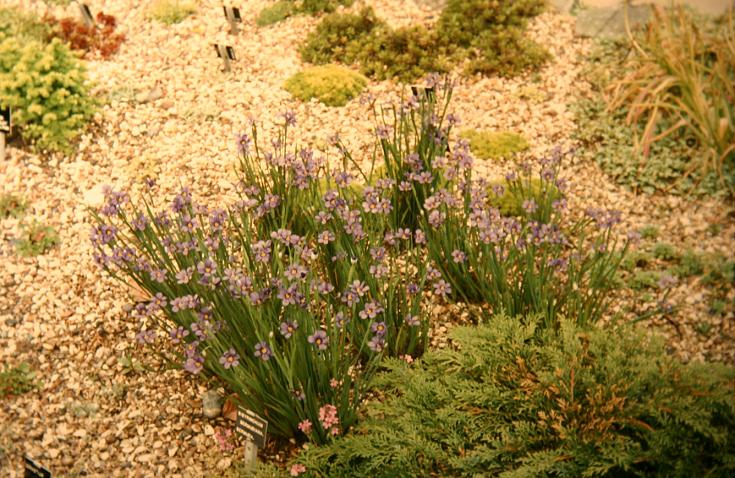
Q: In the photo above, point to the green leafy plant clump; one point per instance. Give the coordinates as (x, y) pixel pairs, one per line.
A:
(17, 380)
(12, 206)
(513, 400)
(334, 35)
(15, 22)
(275, 13)
(283, 9)
(333, 85)
(494, 144)
(490, 37)
(36, 239)
(171, 11)
(45, 86)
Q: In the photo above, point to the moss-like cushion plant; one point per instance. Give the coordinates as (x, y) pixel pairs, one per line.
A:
(45, 86)
(494, 144)
(333, 85)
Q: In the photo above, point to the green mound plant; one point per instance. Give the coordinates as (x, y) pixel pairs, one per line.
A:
(644, 279)
(494, 144)
(512, 399)
(664, 251)
(12, 206)
(335, 33)
(275, 13)
(45, 86)
(17, 380)
(36, 239)
(14, 22)
(333, 85)
(171, 11)
(283, 9)
(399, 53)
(487, 34)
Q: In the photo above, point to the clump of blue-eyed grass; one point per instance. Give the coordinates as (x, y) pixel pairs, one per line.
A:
(494, 144)
(539, 262)
(293, 323)
(36, 239)
(332, 85)
(12, 206)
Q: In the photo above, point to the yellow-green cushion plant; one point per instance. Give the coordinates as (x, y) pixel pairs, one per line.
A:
(333, 85)
(171, 11)
(45, 86)
(494, 144)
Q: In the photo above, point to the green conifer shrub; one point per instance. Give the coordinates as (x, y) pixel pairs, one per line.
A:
(45, 86)
(511, 400)
(330, 40)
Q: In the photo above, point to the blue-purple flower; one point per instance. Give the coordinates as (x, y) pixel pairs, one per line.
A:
(177, 334)
(442, 288)
(319, 339)
(230, 359)
(377, 343)
(263, 351)
(288, 328)
(378, 328)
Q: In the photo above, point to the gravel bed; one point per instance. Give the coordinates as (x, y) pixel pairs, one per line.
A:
(173, 115)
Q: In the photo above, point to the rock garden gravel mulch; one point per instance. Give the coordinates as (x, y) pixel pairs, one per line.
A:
(173, 115)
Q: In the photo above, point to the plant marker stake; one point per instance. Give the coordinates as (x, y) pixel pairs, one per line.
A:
(253, 428)
(227, 53)
(232, 14)
(5, 125)
(31, 469)
(86, 14)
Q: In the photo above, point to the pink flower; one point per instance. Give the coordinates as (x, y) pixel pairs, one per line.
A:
(305, 426)
(328, 416)
(334, 431)
(297, 469)
(407, 358)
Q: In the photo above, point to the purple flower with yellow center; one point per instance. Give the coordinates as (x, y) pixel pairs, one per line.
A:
(146, 337)
(343, 179)
(419, 237)
(382, 132)
(158, 275)
(289, 295)
(290, 118)
(288, 328)
(140, 222)
(262, 351)
(243, 144)
(184, 275)
(377, 343)
(295, 272)
(319, 339)
(458, 256)
(372, 309)
(442, 288)
(324, 287)
(194, 364)
(340, 320)
(325, 237)
(359, 288)
(230, 359)
(158, 301)
(378, 328)
(404, 186)
(530, 206)
(104, 234)
(262, 251)
(177, 334)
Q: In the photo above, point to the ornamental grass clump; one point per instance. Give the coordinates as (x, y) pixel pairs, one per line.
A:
(539, 262)
(293, 323)
(681, 78)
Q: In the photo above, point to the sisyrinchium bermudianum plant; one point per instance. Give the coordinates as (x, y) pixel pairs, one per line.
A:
(294, 324)
(538, 262)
